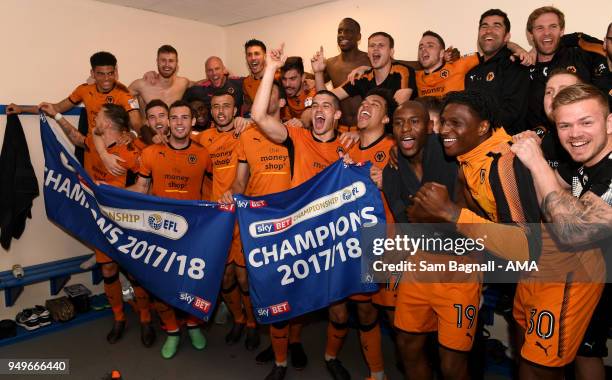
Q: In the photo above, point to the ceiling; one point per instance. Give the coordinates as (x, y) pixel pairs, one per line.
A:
(218, 12)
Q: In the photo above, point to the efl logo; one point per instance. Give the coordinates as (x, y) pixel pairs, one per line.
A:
(201, 304)
(227, 207)
(258, 204)
(280, 308)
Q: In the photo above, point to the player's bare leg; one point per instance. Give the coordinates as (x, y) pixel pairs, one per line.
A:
(414, 355)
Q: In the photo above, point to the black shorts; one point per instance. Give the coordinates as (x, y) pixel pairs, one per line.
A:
(596, 336)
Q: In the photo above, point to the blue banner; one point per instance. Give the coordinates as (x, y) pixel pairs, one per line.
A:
(302, 246)
(165, 244)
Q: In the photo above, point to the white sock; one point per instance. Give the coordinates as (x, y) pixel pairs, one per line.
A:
(378, 375)
(329, 357)
(283, 364)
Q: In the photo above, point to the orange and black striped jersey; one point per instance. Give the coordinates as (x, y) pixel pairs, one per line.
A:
(93, 99)
(298, 104)
(96, 169)
(308, 155)
(222, 149)
(400, 77)
(175, 173)
(378, 154)
(268, 162)
(449, 77)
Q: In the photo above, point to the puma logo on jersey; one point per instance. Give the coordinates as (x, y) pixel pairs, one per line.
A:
(545, 349)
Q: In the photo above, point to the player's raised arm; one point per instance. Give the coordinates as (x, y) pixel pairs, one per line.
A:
(318, 68)
(69, 130)
(270, 126)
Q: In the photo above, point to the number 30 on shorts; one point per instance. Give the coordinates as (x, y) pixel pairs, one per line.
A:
(469, 312)
(544, 324)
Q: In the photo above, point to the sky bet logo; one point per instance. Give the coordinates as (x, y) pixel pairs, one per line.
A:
(195, 301)
(273, 226)
(274, 310)
(251, 204)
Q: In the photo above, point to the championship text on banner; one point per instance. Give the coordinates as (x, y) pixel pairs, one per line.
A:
(302, 246)
(166, 244)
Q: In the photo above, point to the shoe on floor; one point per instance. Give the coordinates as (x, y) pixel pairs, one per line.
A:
(147, 334)
(265, 356)
(337, 370)
(252, 339)
(299, 360)
(235, 334)
(116, 332)
(277, 373)
(27, 319)
(170, 346)
(198, 340)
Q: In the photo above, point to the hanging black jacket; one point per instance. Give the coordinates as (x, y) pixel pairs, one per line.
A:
(18, 183)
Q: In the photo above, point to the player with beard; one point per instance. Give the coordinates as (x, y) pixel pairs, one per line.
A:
(162, 166)
(255, 55)
(545, 28)
(169, 87)
(580, 199)
(497, 74)
(385, 73)
(309, 151)
(299, 97)
(222, 143)
(202, 113)
(604, 81)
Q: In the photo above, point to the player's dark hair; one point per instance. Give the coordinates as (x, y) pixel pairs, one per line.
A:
(102, 58)
(118, 116)
(386, 35)
(609, 29)
(390, 103)
(181, 103)
(496, 12)
(222, 92)
(334, 97)
(254, 42)
(293, 63)
(416, 104)
(353, 22)
(436, 36)
(156, 103)
(167, 49)
(431, 103)
(478, 102)
(281, 90)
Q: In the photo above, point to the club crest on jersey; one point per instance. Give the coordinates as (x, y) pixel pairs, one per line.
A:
(109, 99)
(380, 156)
(231, 90)
(490, 76)
(192, 158)
(483, 175)
(444, 73)
(571, 69)
(339, 149)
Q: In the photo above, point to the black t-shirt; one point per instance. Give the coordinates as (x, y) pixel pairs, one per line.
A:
(400, 185)
(508, 83)
(205, 91)
(399, 77)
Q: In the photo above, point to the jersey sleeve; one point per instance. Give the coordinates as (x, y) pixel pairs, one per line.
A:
(584, 42)
(76, 96)
(353, 89)
(145, 166)
(240, 150)
(128, 102)
(468, 62)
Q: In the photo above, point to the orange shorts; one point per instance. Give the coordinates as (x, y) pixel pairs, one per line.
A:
(102, 258)
(555, 316)
(387, 295)
(236, 255)
(451, 309)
